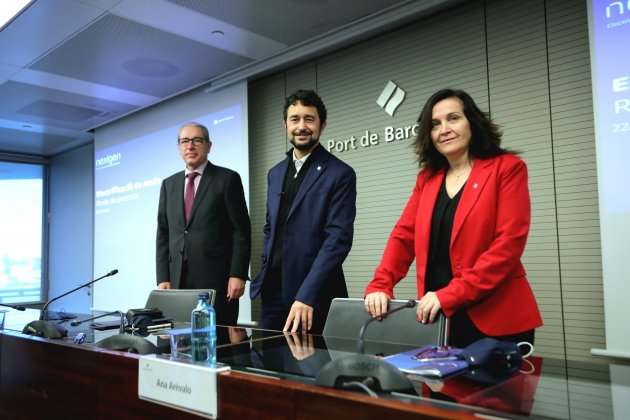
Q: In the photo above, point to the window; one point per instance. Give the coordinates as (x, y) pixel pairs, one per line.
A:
(22, 231)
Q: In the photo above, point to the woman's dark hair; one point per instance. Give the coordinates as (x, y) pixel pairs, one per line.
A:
(484, 143)
(306, 98)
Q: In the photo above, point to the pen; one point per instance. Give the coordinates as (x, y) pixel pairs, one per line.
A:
(437, 359)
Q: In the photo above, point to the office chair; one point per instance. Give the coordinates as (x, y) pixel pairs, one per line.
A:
(353, 365)
(177, 304)
(348, 315)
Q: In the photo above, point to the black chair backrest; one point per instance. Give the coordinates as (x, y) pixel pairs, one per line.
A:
(347, 316)
(176, 304)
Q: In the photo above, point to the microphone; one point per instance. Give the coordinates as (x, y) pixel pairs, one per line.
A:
(16, 307)
(122, 320)
(364, 372)
(48, 302)
(409, 304)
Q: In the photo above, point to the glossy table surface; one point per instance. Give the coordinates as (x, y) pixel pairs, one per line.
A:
(541, 388)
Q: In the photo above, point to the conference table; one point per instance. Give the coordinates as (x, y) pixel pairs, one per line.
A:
(273, 375)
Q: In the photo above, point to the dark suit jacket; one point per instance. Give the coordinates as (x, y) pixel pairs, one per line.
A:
(217, 238)
(318, 233)
(489, 235)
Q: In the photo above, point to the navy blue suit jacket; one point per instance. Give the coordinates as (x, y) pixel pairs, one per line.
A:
(318, 233)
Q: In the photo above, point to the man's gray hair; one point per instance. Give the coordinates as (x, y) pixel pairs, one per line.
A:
(204, 129)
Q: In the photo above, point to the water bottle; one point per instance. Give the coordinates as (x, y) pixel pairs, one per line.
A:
(204, 331)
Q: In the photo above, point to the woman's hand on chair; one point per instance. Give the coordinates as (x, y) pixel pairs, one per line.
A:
(376, 303)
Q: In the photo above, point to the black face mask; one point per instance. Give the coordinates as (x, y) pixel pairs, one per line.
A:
(491, 351)
(493, 361)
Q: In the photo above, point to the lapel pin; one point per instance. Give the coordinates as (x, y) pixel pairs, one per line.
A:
(319, 168)
(475, 185)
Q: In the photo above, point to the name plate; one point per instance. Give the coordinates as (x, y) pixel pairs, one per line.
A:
(179, 384)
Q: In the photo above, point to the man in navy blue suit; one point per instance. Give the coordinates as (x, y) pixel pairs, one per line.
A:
(311, 206)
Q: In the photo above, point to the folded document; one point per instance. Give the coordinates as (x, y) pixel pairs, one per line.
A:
(429, 361)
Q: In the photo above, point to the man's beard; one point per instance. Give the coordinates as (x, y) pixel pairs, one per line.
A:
(304, 146)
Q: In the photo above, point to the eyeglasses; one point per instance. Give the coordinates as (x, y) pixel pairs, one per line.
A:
(197, 141)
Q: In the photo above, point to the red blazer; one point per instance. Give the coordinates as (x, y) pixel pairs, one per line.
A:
(489, 234)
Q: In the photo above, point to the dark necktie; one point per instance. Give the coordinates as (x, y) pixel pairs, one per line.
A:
(189, 194)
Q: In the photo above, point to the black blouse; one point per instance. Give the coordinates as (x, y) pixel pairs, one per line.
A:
(439, 271)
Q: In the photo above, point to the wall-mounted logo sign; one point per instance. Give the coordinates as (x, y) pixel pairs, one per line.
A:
(391, 98)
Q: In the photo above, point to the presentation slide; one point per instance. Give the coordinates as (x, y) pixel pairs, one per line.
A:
(128, 176)
(611, 74)
(609, 32)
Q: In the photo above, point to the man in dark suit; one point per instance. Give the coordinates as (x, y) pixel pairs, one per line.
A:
(309, 226)
(205, 243)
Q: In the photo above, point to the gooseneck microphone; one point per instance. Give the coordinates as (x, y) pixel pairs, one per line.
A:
(48, 302)
(122, 320)
(365, 372)
(16, 307)
(408, 304)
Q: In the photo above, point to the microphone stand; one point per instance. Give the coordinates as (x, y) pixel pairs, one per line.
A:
(121, 330)
(111, 273)
(16, 307)
(409, 304)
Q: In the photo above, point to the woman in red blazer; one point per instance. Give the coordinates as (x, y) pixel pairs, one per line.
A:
(466, 225)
